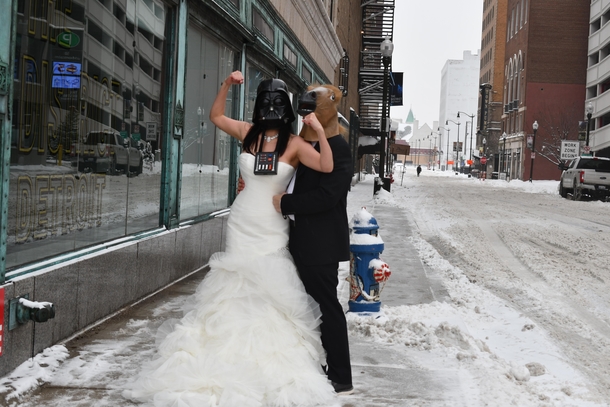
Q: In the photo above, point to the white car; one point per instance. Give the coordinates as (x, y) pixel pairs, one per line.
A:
(108, 151)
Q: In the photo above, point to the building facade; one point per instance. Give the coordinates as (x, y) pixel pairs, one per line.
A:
(459, 93)
(544, 82)
(348, 22)
(491, 82)
(598, 77)
(93, 82)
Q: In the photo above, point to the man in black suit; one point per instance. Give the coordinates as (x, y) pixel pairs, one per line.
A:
(319, 240)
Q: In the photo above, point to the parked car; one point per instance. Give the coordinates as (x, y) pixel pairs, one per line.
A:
(109, 152)
(586, 176)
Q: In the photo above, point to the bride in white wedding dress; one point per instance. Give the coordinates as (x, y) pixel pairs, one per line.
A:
(252, 337)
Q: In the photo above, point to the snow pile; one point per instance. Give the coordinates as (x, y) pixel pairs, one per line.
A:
(33, 372)
(483, 335)
(362, 218)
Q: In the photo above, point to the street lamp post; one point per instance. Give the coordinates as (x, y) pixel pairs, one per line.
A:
(589, 114)
(535, 126)
(457, 148)
(386, 47)
(447, 159)
(471, 132)
(503, 161)
(466, 133)
(434, 153)
(484, 165)
(429, 149)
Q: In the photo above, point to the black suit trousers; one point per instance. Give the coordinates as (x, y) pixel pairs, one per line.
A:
(320, 282)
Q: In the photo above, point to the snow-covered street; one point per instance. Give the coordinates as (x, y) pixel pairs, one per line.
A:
(514, 309)
(528, 275)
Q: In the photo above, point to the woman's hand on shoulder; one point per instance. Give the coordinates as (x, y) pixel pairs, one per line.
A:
(312, 121)
(307, 155)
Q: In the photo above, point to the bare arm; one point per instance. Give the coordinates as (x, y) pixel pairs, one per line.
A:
(234, 128)
(322, 161)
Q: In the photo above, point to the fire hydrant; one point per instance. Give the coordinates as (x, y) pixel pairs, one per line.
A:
(367, 270)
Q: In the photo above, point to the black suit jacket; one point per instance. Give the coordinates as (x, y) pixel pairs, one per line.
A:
(320, 232)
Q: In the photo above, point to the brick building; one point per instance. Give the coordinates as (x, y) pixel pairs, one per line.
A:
(493, 43)
(544, 81)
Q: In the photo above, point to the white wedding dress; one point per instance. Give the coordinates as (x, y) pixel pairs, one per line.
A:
(252, 337)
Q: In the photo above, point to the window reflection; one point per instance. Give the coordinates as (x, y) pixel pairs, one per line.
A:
(87, 101)
(254, 77)
(206, 150)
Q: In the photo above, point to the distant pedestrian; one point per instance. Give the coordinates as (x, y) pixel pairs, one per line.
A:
(418, 170)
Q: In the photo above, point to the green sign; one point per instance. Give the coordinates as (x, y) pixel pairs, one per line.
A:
(136, 136)
(123, 134)
(68, 39)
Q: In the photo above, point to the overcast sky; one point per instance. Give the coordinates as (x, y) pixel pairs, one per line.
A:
(427, 33)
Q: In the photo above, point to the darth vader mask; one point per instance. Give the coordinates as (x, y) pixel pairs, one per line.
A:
(272, 107)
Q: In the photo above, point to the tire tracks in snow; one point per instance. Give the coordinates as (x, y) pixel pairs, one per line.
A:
(583, 336)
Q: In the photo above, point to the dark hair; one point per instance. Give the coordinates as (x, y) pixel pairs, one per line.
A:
(251, 141)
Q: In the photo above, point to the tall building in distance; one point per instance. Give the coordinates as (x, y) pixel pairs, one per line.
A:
(544, 82)
(491, 81)
(598, 78)
(459, 85)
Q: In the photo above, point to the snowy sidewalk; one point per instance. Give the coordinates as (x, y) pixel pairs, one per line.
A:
(102, 359)
(385, 374)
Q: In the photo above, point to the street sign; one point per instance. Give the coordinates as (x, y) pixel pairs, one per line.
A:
(483, 160)
(151, 131)
(569, 149)
(533, 155)
(135, 135)
(587, 149)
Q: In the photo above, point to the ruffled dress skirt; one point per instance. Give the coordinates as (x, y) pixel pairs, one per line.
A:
(251, 339)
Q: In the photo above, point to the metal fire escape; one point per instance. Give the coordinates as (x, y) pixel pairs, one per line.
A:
(377, 24)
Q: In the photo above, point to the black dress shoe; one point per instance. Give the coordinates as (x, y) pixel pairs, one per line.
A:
(343, 389)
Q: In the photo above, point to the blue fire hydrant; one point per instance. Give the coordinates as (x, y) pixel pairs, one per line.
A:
(367, 270)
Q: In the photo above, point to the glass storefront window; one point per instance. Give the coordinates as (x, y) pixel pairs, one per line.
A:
(206, 154)
(252, 79)
(87, 119)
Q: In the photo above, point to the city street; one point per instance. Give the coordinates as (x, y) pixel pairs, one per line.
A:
(545, 256)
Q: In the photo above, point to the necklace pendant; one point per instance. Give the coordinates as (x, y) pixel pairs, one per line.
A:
(269, 139)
